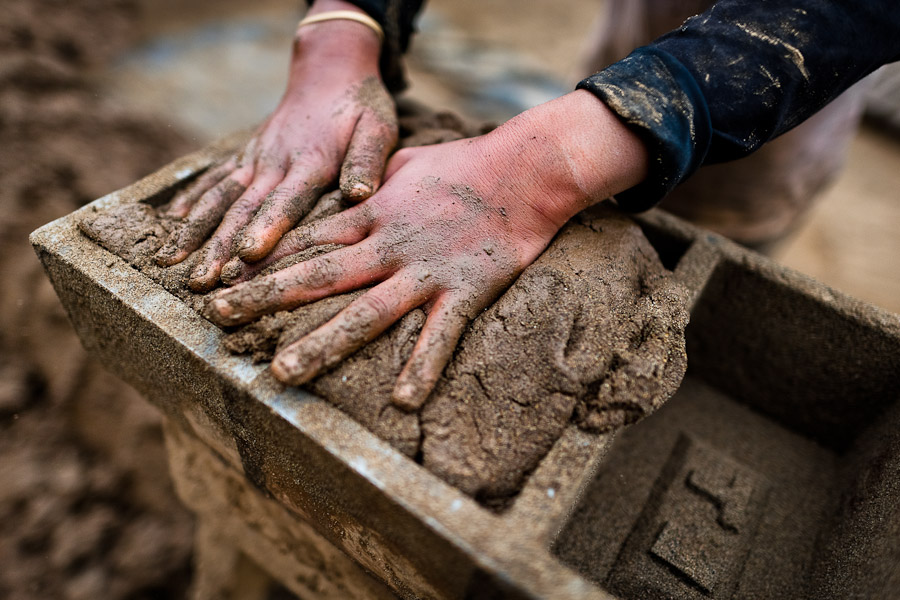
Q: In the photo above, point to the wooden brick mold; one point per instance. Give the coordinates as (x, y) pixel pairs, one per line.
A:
(773, 472)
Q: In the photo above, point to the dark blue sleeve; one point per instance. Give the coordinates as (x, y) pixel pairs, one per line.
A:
(738, 75)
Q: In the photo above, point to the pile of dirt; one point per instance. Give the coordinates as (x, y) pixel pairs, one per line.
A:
(86, 508)
(71, 523)
(591, 333)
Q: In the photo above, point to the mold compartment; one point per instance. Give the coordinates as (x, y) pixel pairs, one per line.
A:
(671, 245)
(774, 469)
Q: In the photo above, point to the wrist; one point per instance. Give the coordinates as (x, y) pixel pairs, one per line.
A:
(338, 44)
(577, 153)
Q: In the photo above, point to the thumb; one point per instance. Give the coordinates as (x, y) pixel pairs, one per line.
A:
(367, 153)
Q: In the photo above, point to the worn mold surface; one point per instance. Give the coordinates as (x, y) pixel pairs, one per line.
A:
(771, 473)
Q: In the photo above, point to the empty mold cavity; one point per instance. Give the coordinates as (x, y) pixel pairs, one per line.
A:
(774, 471)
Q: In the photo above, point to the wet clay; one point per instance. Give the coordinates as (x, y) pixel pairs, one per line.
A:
(591, 333)
(361, 385)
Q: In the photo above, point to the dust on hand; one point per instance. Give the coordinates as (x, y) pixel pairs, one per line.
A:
(592, 333)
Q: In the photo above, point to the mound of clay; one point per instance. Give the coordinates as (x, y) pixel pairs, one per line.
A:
(591, 333)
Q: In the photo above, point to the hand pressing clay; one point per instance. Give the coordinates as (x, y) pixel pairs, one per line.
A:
(361, 385)
(591, 333)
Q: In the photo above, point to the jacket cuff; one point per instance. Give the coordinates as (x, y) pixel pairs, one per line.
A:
(659, 100)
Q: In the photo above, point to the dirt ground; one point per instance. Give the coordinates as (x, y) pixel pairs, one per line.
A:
(86, 510)
(97, 93)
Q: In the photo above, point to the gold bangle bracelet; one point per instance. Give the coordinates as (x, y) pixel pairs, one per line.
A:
(348, 15)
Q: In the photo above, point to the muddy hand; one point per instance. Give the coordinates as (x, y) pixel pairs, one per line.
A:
(452, 227)
(336, 122)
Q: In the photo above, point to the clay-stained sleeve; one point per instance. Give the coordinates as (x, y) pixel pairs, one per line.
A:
(731, 79)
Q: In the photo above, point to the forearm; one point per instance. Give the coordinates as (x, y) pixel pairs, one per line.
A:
(740, 74)
(330, 49)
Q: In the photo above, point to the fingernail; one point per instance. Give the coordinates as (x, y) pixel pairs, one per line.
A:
(247, 244)
(294, 369)
(199, 271)
(360, 189)
(404, 396)
(221, 309)
(164, 255)
(285, 368)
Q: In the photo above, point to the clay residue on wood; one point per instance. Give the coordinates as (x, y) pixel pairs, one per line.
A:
(135, 233)
(592, 333)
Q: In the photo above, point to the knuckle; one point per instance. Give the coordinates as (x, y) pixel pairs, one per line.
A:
(364, 215)
(315, 157)
(303, 237)
(231, 187)
(280, 195)
(294, 241)
(391, 132)
(242, 209)
(242, 171)
(370, 308)
(246, 204)
(270, 161)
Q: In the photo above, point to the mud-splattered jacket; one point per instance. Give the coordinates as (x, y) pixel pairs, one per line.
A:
(726, 81)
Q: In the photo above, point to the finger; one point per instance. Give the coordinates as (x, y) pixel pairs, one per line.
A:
(330, 204)
(282, 209)
(366, 156)
(358, 324)
(216, 252)
(203, 218)
(433, 350)
(349, 227)
(185, 199)
(340, 271)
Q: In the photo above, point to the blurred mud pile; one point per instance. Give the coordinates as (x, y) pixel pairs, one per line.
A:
(85, 507)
